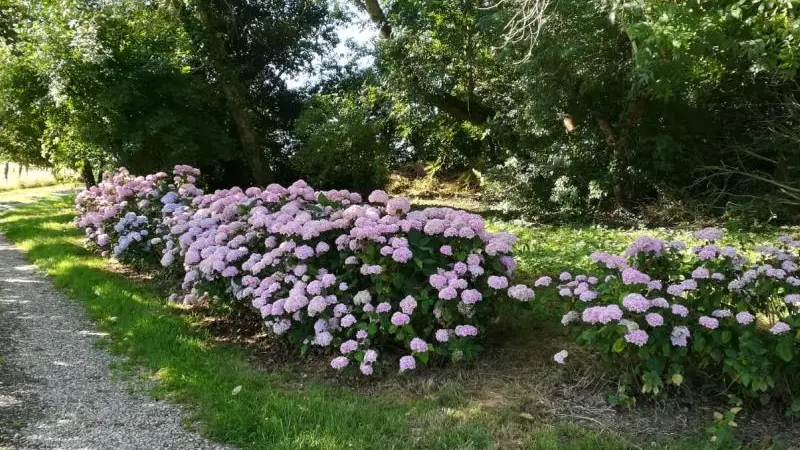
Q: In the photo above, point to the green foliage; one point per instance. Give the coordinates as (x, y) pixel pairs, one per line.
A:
(345, 141)
(131, 83)
(616, 104)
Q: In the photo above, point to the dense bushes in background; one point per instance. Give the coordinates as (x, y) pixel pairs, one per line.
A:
(324, 269)
(665, 313)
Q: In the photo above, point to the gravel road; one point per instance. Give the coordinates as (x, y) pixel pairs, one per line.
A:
(56, 390)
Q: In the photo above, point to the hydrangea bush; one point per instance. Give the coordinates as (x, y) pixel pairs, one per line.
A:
(363, 279)
(122, 214)
(663, 312)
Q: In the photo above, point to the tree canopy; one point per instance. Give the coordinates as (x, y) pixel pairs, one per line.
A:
(568, 107)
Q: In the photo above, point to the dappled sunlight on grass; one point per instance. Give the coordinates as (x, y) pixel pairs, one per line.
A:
(547, 250)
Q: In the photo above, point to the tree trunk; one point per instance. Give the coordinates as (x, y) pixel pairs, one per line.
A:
(88, 175)
(233, 89)
(6, 172)
(242, 119)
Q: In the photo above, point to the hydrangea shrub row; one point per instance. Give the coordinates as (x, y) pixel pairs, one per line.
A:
(662, 312)
(324, 269)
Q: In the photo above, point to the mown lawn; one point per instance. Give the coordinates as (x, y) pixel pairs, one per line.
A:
(278, 407)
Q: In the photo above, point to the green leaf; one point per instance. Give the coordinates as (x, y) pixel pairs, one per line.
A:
(323, 200)
(726, 336)
(784, 350)
(619, 345)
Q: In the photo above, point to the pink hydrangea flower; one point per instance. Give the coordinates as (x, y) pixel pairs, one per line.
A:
(679, 336)
(378, 196)
(708, 322)
(780, 328)
(745, 318)
(637, 337)
(521, 292)
(407, 363)
(340, 362)
(418, 345)
(400, 319)
(408, 304)
(448, 293)
(348, 347)
(466, 330)
(636, 303)
(654, 319)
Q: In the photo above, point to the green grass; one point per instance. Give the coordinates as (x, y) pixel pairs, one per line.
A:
(277, 407)
(550, 249)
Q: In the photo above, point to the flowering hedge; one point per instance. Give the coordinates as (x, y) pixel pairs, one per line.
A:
(324, 269)
(662, 312)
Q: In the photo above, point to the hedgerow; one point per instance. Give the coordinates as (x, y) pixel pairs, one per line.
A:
(663, 312)
(324, 269)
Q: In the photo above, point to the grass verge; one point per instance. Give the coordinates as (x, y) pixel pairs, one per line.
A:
(264, 409)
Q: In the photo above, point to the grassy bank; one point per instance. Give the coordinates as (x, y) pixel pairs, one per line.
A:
(238, 401)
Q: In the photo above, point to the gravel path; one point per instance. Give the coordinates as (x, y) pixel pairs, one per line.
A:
(55, 387)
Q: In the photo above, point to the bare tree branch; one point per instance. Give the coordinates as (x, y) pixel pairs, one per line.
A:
(527, 22)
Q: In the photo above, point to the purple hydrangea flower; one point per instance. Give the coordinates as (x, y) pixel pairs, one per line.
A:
(497, 282)
(709, 234)
(520, 292)
(654, 319)
(471, 296)
(637, 337)
(721, 313)
(348, 347)
(466, 330)
(340, 362)
(708, 322)
(407, 363)
(780, 328)
(700, 273)
(636, 303)
(680, 310)
(633, 276)
(745, 318)
(679, 336)
(418, 345)
(561, 357)
(400, 319)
